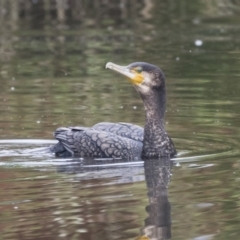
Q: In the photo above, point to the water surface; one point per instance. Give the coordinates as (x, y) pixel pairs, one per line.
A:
(52, 74)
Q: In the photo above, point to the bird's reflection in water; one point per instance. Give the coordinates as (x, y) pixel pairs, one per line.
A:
(157, 226)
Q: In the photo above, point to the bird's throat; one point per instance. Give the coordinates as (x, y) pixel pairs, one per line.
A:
(155, 105)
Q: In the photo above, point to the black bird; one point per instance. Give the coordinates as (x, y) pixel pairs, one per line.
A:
(124, 140)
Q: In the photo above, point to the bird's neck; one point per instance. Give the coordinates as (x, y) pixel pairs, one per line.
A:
(155, 105)
(154, 130)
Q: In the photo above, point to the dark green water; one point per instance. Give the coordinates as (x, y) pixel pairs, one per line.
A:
(52, 58)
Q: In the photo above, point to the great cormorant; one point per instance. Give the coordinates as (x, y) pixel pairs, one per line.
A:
(124, 140)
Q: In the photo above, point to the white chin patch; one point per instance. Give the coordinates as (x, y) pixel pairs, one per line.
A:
(144, 88)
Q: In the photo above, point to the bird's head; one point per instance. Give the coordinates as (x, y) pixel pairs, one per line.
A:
(144, 76)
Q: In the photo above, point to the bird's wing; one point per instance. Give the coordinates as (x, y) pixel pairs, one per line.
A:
(89, 142)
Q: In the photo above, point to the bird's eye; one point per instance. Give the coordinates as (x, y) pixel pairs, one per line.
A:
(138, 69)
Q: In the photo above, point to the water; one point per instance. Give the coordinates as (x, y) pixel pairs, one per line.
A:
(52, 74)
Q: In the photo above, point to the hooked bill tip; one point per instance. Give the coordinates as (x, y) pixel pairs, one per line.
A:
(109, 65)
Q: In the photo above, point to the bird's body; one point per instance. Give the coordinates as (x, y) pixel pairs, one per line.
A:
(124, 140)
(103, 140)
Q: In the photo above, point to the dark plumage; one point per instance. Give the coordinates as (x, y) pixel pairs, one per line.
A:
(124, 140)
